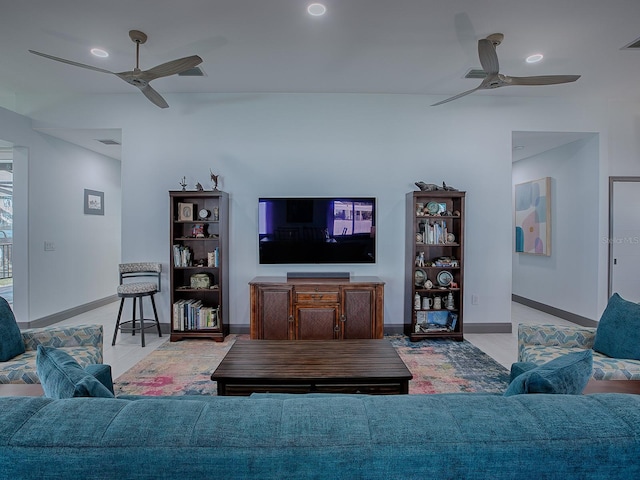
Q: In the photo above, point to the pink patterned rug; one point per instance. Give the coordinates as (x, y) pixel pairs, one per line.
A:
(438, 366)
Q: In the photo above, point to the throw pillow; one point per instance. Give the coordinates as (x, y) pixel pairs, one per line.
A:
(618, 332)
(11, 343)
(62, 377)
(568, 374)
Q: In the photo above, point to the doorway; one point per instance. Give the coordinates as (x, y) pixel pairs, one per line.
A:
(6, 222)
(624, 237)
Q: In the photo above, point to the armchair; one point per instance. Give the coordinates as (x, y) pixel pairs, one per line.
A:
(82, 342)
(539, 344)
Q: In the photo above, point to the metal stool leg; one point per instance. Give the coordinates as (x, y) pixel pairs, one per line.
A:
(115, 332)
(133, 317)
(141, 320)
(155, 313)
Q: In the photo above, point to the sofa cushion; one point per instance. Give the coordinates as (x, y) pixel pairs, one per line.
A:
(11, 343)
(62, 377)
(618, 332)
(519, 368)
(568, 374)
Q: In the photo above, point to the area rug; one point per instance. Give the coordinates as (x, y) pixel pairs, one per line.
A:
(437, 365)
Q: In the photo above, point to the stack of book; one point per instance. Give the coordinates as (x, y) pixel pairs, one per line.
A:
(193, 315)
(182, 256)
(435, 232)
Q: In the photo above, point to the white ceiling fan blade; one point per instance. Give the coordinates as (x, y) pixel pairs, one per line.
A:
(171, 68)
(456, 96)
(488, 56)
(154, 96)
(541, 80)
(63, 60)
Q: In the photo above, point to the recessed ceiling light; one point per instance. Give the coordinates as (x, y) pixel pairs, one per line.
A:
(316, 9)
(534, 58)
(98, 52)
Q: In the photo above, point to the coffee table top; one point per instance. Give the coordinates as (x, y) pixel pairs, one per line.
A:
(308, 360)
(613, 386)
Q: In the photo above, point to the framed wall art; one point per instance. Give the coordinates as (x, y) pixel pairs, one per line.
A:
(93, 202)
(533, 217)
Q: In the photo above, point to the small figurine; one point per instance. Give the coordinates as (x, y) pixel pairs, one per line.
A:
(199, 187)
(214, 179)
(448, 188)
(183, 183)
(420, 260)
(427, 187)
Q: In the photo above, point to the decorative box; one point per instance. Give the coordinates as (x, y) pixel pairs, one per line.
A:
(200, 280)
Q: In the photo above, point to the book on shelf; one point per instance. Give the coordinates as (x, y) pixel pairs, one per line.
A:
(182, 256)
(191, 314)
(435, 232)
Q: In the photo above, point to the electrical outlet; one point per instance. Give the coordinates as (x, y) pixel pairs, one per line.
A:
(49, 246)
(475, 299)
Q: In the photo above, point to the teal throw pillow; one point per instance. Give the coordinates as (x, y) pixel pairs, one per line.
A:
(62, 377)
(11, 343)
(568, 374)
(618, 332)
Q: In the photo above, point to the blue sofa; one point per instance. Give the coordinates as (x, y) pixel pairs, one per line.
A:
(446, 436)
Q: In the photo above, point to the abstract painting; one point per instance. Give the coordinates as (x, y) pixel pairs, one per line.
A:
(533, 217)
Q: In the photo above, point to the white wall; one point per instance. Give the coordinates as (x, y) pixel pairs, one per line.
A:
(285, 144)
(50, 176)
(565, 279)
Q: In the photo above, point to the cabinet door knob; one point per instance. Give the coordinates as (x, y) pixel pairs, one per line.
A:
(290, 318)
(343, 318)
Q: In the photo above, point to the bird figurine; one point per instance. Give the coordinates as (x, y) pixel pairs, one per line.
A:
(199, 187)
(214, 179)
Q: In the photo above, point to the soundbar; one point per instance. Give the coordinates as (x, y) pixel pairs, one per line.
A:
(317, 275)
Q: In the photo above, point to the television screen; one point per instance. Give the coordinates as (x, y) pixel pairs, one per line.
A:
(317, 230)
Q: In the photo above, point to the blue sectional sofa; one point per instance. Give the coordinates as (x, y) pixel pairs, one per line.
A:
(447, 436)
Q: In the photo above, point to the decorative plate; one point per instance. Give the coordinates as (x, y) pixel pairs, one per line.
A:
(444, 278)
(418, 238)
(433, 208)
(419, 277)
(451, 238)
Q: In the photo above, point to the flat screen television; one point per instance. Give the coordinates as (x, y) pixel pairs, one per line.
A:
(333, 230)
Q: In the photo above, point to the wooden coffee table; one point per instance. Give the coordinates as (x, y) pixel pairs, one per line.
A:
(612, 386)
(21, 390)
(304, 366)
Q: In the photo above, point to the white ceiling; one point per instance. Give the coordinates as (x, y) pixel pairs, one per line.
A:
(359, 46)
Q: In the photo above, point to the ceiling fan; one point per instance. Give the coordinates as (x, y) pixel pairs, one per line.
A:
(494, 79)
(141, 78)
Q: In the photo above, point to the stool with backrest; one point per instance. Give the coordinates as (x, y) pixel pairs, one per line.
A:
(138, 290)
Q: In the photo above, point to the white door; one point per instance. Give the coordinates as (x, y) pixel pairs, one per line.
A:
(625, 240)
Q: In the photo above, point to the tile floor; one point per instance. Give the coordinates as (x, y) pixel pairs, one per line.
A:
(127, 350)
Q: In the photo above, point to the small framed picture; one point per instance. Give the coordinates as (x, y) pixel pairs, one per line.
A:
(93, 202)
(185, 212)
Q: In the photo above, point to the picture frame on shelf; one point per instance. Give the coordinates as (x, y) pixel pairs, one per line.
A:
(185, 212)
(93, 202)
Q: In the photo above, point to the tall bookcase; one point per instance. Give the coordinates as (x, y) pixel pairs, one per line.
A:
(199, 260)
(434, 264)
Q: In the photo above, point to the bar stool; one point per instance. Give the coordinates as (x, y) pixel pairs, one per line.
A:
(137, 290)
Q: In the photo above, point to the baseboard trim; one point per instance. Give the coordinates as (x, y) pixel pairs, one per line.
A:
(400, 329)
(556, 312)
(488, 328)
(72, 312)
